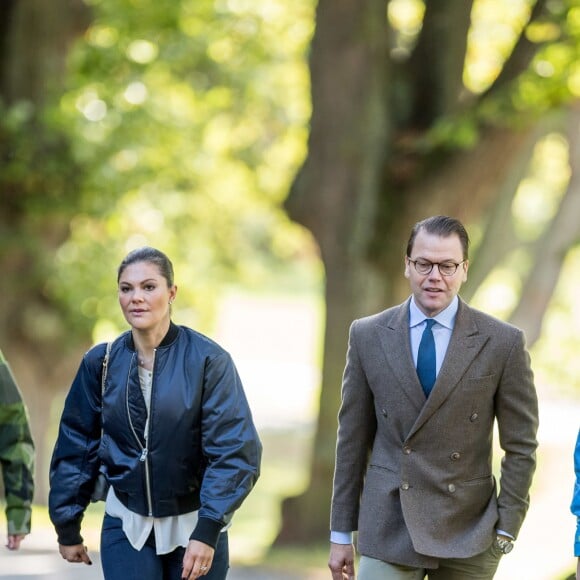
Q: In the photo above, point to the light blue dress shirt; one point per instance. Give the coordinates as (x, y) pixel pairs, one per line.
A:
(442, 330)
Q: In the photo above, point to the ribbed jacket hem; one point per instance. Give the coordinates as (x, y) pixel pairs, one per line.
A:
(69, 534)
(207, 531)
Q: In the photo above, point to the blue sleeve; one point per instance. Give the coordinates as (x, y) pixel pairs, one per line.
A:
(75, 462)
(576, 497)
(231, 445)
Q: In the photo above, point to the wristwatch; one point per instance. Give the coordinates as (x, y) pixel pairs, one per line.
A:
(505, 546)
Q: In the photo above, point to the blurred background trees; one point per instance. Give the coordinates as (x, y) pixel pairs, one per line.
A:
(174, 124)
(204, 127)
(420, 108)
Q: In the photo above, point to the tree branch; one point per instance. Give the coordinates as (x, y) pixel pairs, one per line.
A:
(521, 55)
(349, 125)
(499, 237)
(551, 248)
(438, 60)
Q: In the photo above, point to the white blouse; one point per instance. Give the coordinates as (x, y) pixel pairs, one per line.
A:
(170, 532)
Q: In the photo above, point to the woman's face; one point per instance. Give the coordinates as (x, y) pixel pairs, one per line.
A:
(144, 296)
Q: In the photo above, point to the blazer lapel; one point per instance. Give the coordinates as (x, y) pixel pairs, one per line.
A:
(394, 338)
(465, 344)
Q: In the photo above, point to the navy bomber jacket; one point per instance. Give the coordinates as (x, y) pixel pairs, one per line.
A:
(203, 451)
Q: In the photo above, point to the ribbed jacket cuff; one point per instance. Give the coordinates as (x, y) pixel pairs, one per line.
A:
(69, 534)
(207, 531)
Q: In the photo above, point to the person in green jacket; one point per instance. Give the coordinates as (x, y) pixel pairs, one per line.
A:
(16, 457)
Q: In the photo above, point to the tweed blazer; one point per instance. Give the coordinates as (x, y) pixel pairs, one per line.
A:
(414, 475)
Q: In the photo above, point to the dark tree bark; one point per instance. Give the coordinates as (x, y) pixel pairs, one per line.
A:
(437, 87)
(347, 149)
(34, 42)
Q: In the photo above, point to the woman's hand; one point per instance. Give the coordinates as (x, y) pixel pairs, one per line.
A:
(76, 553)
(197, 560)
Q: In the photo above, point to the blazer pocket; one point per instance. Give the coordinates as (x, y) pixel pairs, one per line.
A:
(485, 479)
(485, 382)
(381, 468)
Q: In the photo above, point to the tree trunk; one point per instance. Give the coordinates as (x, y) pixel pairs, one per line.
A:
(348, 142)
(36, 37)
(552, 247)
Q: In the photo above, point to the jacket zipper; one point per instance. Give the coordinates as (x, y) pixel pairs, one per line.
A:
(144, 449)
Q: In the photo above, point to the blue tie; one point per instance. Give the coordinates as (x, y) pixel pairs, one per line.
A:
(426, 369)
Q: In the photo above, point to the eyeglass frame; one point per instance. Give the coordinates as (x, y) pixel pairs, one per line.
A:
(456, 264)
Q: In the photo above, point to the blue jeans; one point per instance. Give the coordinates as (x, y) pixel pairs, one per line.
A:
(121, 561)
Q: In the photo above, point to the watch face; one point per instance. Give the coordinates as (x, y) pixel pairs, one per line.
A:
(505, 545)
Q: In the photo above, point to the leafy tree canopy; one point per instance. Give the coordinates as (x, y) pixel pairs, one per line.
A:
(190, 119)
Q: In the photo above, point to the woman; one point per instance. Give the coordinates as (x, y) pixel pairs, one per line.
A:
(576, 504)
(175, 439)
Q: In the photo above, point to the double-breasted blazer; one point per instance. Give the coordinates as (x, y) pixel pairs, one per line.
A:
(414, 475)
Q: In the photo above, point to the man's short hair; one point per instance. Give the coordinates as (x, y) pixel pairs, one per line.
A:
(440, 225)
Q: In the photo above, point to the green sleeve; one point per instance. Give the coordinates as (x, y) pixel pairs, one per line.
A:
(16, 453)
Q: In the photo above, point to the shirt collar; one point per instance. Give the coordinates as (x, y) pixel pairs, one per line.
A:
(446, 318)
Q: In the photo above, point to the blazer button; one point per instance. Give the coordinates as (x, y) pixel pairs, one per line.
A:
(384, 412)
(407, 450)
(455, 456)
(451, 488)
(405, 486)
(474, 417)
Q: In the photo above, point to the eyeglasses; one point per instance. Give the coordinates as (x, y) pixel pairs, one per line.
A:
(424, 267)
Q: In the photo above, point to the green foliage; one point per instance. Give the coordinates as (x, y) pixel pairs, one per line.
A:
(551, 80)
(189, 121)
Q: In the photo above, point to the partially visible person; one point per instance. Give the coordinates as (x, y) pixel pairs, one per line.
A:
(171, 429)
(576, 505)
(16, 457)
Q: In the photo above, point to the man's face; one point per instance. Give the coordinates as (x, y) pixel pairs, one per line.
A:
(434, 292)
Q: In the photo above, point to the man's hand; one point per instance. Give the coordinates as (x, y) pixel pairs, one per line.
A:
(76, 554)
(197, 560)
(578, 570)
(341, 561)
(14, 540)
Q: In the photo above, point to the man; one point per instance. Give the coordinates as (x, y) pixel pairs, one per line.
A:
(16, 457)
(414, 456)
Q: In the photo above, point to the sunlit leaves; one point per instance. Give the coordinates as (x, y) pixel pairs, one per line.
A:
(142, 51)
(496, 25)
(190, 117)
(539, 195)
(406, 18)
